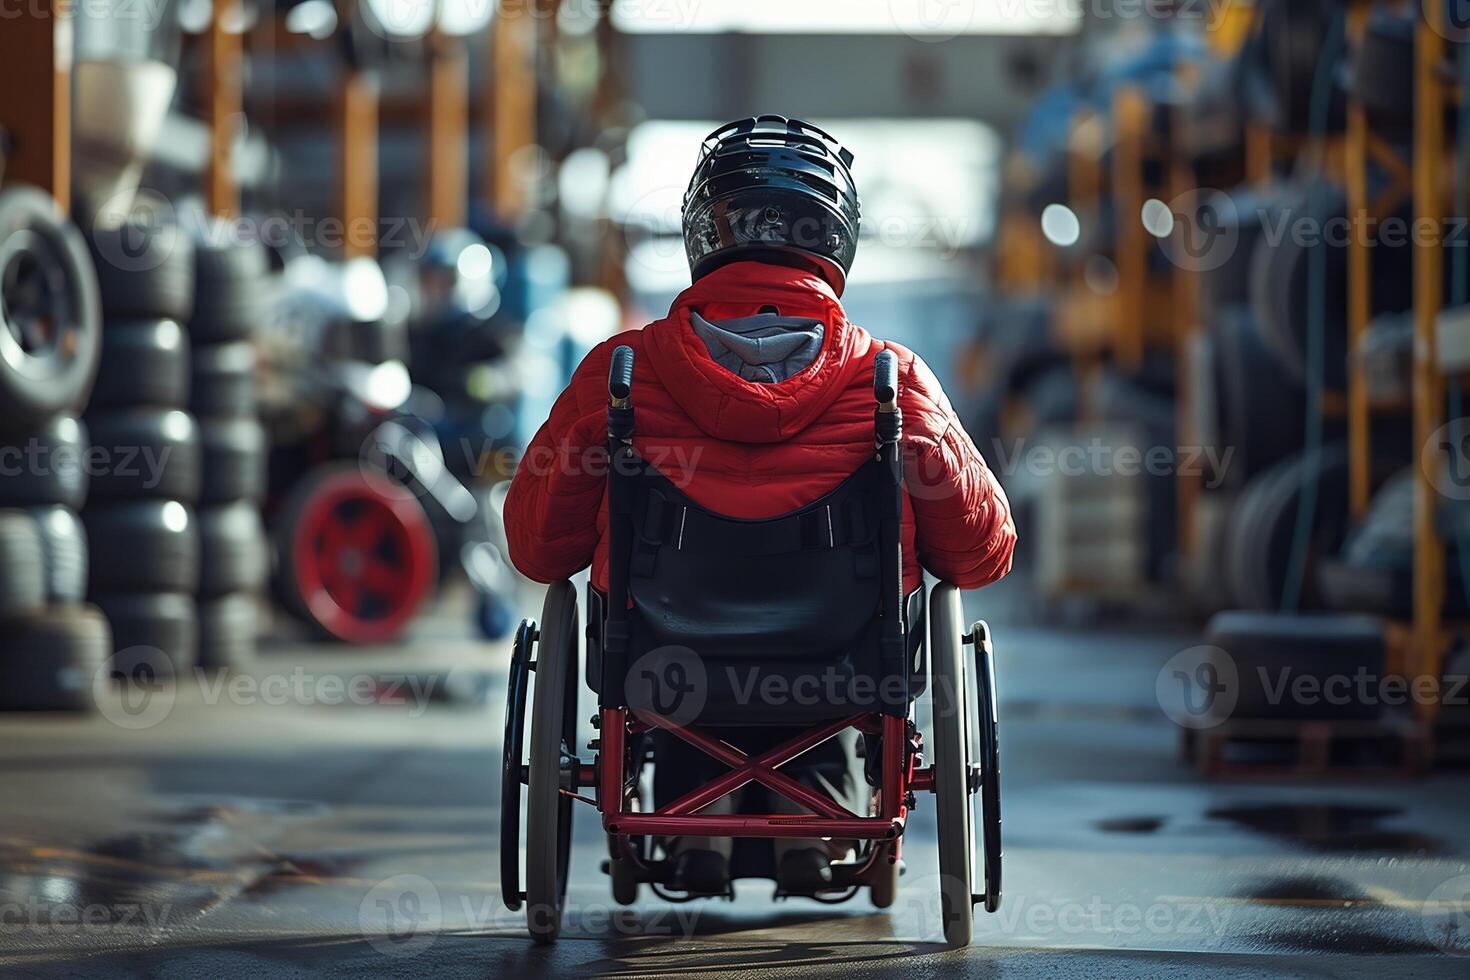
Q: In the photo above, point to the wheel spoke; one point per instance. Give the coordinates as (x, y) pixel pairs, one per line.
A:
(382, 578)
(330, 538)
(368, 529)
(344, 590)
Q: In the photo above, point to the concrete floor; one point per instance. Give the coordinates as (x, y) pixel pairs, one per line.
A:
(225, 833)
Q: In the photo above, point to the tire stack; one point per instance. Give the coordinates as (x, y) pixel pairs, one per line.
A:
(140, 515)
(52, 646)
(232, 284)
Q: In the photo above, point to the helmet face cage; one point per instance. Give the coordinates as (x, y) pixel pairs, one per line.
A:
(772, 188)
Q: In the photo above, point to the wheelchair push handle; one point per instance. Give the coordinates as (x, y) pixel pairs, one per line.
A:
(887, 420)
(620, 377)
(885, 380)
(620, 397)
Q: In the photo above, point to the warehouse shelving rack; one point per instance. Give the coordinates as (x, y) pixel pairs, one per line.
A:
(1184, 293)
(1417, 648)
(1115, 161)
(1134, 317)
(1083, 319)
(35, 59)
(1363, 147)
(224, 100)
(1434, 93)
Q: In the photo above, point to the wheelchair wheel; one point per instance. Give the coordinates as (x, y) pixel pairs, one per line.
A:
(989, 745)
(883, 886)
(624, 881)
(553, 765)
(512, 766)
(950, 700)
(621, 868)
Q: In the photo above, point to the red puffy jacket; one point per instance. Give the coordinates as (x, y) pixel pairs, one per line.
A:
(754, 450)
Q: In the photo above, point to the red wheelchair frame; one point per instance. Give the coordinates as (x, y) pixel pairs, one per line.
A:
(555, 775)
(681, 817)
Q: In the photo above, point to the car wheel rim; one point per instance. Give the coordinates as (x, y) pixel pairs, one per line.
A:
(363, 557)
(37, 305)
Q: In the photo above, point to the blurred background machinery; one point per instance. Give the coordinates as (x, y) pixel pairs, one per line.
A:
(317, 270)
(1241, 242)
(286, 287)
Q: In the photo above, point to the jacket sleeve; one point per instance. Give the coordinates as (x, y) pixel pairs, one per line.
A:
(964, 531)
(551, 511)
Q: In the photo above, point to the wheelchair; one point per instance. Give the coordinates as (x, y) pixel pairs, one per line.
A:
(695, 602)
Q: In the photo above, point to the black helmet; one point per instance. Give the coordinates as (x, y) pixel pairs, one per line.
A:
(773, 189)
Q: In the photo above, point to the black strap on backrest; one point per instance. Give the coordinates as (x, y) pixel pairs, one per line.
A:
(667, 518)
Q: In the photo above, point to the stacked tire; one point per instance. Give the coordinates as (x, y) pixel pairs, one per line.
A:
(231, 281)
(53, 646)
(1273, 553)
(140, 516)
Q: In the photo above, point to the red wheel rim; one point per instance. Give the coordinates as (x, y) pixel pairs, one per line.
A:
(363, 556)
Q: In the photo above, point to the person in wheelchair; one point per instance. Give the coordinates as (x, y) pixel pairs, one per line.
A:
(755, 400)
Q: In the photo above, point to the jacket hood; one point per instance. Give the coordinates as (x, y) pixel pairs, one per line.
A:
(720, 402)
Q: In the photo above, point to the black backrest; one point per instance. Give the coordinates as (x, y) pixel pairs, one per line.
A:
(696, 594)
(799, 592)
(795, 585)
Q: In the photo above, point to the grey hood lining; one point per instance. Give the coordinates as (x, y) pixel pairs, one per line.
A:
(764, 348)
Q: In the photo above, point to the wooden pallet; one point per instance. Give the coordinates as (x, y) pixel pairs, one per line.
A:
(1253, 749)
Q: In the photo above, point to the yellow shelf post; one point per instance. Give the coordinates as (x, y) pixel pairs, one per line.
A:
(1359, 287)
(447, 193)
(224, 99)
(1184, 283)
(511, 120)
(35, 115)
(1428, 384)
(357, 154)
(1130, 122)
